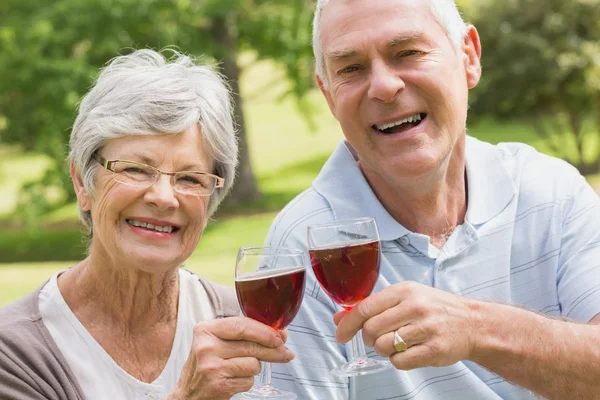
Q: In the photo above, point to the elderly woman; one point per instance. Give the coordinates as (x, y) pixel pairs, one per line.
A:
(153, 152)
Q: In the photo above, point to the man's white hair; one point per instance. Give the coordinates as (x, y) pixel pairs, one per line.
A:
(444, 12)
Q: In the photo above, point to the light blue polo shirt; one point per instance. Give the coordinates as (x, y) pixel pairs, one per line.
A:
(531, 237)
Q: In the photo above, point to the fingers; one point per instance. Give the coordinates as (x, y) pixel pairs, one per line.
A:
(242, 348)
(373, 305)
(390, 320)
(418, 356)
(337, 317)
(241, 328)
(235, 337)
(238, 385)
(410, 334)
(241, 367)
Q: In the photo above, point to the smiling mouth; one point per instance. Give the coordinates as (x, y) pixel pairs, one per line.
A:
(153, 228)
(401, 125)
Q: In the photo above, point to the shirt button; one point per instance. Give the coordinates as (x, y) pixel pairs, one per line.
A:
(404, 241)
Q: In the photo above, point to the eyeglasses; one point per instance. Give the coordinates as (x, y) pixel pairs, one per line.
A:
(143, 176)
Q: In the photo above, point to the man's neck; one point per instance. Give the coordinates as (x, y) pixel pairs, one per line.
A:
(432, 205)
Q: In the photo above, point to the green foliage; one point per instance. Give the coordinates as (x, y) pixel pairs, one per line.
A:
(41, 245)
(50, 52)
(541, 62)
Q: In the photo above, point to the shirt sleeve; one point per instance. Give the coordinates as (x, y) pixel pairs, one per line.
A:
(311, 335)
(578, 275)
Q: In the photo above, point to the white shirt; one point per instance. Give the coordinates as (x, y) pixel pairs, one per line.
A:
(531, 237)
(96, 372)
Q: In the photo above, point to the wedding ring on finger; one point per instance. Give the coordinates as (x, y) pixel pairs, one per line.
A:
(399, 343)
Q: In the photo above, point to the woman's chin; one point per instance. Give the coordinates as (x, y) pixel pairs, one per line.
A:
(153, 260)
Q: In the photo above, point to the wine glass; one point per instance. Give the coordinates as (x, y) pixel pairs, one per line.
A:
(269, 282)
(345, 259)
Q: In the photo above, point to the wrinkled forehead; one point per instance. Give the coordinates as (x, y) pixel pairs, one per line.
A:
(340, 19)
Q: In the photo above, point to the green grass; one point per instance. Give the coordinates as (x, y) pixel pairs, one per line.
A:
(18, 279)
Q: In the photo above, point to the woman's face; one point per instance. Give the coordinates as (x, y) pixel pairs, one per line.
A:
(118, 210)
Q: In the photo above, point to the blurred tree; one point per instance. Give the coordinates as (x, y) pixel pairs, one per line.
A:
(50, 52)
(541, 62)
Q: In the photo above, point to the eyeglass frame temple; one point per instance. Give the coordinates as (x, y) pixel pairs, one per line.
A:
(108, 165)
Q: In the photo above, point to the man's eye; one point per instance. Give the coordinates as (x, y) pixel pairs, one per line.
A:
(408, 53)
(349, 69)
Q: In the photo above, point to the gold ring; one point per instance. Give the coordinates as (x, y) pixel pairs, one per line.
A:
(399, 344)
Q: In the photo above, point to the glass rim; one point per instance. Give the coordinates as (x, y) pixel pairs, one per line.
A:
(288, 251)
(343, 222)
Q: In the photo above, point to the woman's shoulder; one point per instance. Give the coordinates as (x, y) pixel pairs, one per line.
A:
(222, 298)
(29, 357)
(19, 315)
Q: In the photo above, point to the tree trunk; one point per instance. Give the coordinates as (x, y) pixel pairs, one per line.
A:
(575, 125)
(245, 187)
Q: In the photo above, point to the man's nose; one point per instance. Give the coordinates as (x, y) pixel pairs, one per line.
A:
(385, 82)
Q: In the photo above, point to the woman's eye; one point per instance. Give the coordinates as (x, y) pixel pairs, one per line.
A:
(134, 170)
(189, 179)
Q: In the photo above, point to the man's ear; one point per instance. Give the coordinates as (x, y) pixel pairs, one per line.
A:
(84, 200)
(472, 56)
(327, 95)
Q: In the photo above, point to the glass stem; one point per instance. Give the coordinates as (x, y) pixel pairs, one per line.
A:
(265, 376)
(358, 347)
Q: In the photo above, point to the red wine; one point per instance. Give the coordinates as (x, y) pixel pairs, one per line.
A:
(272, 297)
(348, 274)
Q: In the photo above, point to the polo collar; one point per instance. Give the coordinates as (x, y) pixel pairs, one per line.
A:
(490, 185)
(343, 184)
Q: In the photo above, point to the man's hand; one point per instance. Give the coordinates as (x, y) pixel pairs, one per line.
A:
(225, 357)
(436, 326)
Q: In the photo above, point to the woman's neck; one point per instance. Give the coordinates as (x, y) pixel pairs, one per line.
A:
(99, 290)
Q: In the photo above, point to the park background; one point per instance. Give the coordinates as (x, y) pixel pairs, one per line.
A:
(540, 86)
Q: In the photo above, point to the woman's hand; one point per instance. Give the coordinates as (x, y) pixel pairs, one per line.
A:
(225, 358)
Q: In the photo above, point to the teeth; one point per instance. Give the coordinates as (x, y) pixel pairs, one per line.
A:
(167, 229)
(412, 118)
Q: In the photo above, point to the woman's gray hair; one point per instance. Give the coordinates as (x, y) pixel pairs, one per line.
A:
(444, 12)
(145, 93)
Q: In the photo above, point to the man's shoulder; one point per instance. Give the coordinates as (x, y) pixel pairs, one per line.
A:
(539, 179)
(309, 207)
(531, 168)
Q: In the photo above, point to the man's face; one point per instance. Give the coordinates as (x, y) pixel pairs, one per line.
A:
(389, 61)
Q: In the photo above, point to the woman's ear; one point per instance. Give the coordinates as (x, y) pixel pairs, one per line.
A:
(84, 200)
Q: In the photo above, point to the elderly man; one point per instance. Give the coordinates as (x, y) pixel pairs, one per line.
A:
(489, 253)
